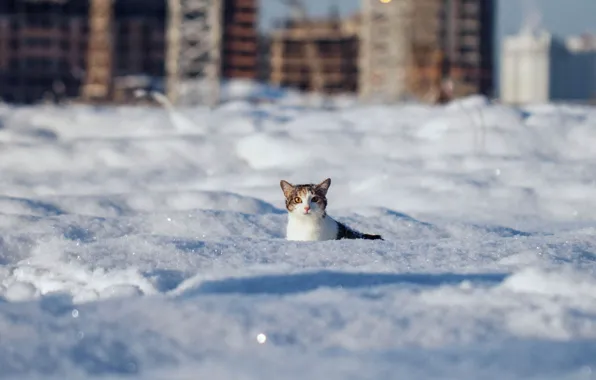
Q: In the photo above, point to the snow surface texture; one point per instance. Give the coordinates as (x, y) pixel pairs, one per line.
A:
(140, 244)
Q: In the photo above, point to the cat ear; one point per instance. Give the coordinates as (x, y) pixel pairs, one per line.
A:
(286, 187)
(324, 186)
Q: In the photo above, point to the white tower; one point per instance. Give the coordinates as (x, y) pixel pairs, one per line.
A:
(526, 62)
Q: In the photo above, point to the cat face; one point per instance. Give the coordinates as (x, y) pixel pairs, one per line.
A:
(306, 200)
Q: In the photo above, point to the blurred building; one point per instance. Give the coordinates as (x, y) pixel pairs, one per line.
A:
(43, 45)
(525, 68)
(315, 55)
(263, 57)
(391, 36)
(239, 55)
(409, 47)
(578, 60)
(538, 68)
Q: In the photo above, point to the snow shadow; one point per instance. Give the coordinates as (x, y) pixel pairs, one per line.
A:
(165, 280)
(101, 355)
(36, 206)
(408, 218)
(505, 232)
(305, 282)
(76, 233)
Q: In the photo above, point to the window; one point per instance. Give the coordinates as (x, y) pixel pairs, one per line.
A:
(38, 42)
(63, 65)
(38, 64)
(14, 64)
(40, 20)
(293, 48)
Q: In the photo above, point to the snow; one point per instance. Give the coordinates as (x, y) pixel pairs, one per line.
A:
(137, 242)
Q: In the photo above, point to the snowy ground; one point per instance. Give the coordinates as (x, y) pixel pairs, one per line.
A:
(137, 243)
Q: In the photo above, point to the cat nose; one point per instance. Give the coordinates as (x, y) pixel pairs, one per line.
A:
(306, 208)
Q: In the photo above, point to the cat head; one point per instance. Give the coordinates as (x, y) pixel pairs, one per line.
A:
(306, 200)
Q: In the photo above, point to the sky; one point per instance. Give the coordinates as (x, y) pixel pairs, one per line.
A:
(560, 17)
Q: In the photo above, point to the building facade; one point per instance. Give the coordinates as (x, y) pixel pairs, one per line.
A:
(315, 55)
(44, 44)
(579, 60)
(525, 68)
(384, 49)
(537, 67)
(409, 47)
(239, 55)
(467, 35)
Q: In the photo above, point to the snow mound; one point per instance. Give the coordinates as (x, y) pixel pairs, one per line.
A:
(265, 151)
(551, 283)
(148, 243)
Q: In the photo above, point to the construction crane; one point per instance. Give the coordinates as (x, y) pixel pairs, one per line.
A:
(98, 78)
(298, 14)
(194, 51)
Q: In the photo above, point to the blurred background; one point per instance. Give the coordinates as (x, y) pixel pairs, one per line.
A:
(105, 51)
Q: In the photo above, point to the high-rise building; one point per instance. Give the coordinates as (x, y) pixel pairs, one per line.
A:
(467, 35)
(537, 67)
(240, 39)
(409, 46)
(525, 68)
(385, 48)
(44, 44)
(315, 55)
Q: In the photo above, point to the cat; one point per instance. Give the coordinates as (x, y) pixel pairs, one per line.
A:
(307, 215)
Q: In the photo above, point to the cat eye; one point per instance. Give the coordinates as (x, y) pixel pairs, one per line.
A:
(297, 200)
(315, 199)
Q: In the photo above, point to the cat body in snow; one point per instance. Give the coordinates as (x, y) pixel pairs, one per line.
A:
(307, 215)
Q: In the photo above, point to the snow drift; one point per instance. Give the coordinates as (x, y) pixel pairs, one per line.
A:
(133, 247)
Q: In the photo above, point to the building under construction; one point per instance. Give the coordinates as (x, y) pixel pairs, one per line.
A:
(393, 49)
(51, 47)
(410, 47)
(315, 55)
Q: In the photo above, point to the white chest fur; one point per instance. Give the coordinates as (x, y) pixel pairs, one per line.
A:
(310, 228)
